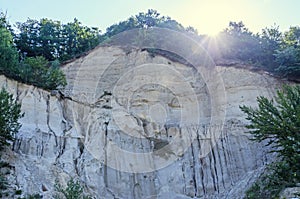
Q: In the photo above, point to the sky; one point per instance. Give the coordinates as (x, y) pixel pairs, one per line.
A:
(207, 16)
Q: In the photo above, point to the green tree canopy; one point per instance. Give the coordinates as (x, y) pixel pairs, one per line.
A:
(237, 42)
(270, 39)
(8, 53)
(146, 20)
(39, 45)
(39, 38)
(54, 40)
(288, 54)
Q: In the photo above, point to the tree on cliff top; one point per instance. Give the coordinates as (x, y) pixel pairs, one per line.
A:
(146, 20)
(34, 69)
(8, 53)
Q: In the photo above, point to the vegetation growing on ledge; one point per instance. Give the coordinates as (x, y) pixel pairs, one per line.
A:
(74, 190)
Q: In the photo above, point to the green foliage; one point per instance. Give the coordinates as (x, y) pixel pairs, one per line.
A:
(41, 73)
(78, 39)
(35, 70)
(38, 38)
(10, 113)
(239, 43)
(8, 53)
(271, 182)
(145, 20)
(55, 78)
(270, 41)
(54, 40)
(74, 190)
(273, 51)
(288, 54)
(278, 123)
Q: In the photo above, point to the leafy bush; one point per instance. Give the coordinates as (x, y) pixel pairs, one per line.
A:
(41, 73)
(74, 190)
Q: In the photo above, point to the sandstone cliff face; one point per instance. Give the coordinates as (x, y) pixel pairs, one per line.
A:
(129, 125)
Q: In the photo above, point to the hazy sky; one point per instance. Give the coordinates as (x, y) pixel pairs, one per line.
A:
(208, 16)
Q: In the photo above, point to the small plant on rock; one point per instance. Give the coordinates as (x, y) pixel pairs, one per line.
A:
(74, 190)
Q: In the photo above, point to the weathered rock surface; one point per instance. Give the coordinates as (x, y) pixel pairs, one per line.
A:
(290, 193)
(123, 124)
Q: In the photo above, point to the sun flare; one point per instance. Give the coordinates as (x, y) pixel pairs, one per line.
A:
(212, 31)
(210, 17)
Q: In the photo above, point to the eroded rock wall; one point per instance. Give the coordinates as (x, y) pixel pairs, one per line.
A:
(76, 133)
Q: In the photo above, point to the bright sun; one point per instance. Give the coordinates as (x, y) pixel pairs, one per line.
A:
(212, 31)
(209, 17)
